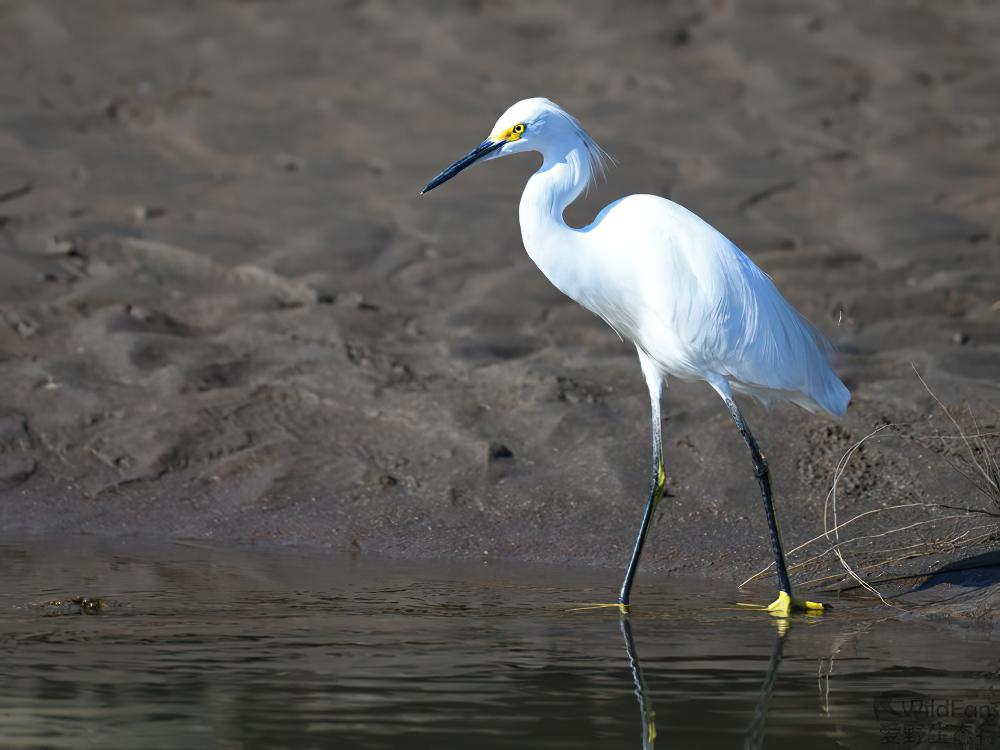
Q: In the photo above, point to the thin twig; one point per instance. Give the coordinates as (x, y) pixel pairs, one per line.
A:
(972, 453)
(937, 547)
(15, 192)
(880, 535)
(846, 523)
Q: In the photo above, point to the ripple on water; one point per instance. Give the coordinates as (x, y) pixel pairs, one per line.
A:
(214, 647)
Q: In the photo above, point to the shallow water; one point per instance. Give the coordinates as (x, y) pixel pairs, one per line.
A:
(203, 647)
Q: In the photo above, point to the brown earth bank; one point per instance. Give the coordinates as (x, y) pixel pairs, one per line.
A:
(226, 314)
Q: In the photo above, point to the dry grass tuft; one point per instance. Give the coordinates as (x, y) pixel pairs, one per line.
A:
(970, 449)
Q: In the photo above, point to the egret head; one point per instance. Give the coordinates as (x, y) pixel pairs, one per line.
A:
(530, 125)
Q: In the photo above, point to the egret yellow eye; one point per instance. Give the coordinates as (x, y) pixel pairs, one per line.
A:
(518, 129)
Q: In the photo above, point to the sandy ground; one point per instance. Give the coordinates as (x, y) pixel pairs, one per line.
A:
(226, 314)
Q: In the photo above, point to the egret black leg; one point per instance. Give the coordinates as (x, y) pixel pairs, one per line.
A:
(764, 480)
(657, 484)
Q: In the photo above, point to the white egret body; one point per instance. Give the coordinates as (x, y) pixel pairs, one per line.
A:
(693, 304)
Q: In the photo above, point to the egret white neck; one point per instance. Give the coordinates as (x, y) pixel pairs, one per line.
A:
(563, 175)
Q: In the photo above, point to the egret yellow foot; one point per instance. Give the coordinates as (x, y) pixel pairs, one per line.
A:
(785, 604)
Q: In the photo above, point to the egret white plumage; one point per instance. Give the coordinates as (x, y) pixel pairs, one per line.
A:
(691, 302)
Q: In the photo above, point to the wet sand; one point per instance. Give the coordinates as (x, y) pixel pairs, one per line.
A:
(226, 314)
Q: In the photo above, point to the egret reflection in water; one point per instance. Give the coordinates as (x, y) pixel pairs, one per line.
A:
(641, 693)
(755, 732)
(754, 738)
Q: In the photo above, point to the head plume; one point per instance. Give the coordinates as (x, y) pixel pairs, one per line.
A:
(547, 118)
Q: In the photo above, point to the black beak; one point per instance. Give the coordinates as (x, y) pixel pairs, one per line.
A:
(484, 148)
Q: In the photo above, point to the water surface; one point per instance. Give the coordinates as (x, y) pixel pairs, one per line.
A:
(204, 647)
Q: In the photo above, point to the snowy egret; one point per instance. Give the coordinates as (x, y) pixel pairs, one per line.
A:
(691, 302)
